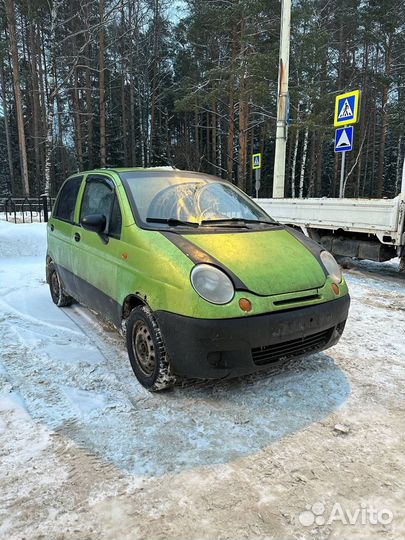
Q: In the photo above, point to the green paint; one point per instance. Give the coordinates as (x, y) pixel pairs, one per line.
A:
(269, 262)
(272, 263)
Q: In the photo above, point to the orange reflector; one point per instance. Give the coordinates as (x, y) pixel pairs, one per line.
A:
(245, 305)
(124, 256)
(335, 289)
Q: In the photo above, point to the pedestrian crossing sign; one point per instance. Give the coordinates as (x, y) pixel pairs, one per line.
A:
(256, 161)
(347, 108)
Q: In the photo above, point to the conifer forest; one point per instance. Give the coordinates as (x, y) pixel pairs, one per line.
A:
(193, 84)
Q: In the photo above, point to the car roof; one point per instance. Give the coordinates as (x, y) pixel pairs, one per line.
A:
(146, 170)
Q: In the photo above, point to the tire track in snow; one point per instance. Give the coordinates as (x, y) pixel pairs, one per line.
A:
(25, 317)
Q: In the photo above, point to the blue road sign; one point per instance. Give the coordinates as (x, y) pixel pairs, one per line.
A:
(256, 161)
(344, 139)
(347, 108)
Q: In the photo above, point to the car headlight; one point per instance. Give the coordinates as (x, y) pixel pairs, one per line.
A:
(332, 267)
(212, 284)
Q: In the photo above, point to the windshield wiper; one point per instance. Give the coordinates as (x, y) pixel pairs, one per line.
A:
(235, 221)
(172, 222)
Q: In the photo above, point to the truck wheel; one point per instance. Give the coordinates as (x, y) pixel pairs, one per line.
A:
(59, 297)
(146, 350)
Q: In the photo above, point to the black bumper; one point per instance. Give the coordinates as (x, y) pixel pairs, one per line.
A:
(208, 348)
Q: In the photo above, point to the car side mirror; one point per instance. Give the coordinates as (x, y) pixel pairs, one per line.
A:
(94, 222)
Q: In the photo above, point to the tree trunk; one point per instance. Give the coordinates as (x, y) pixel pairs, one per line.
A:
(243, 115)
(42, 100)
(311, 187)
(152, 138)
(59, 106)
(10, 10)
(11, 186)
(51, 101)
(231, 109)
(294, 162)
(318, 166)
(36, 108)
(49, 146)
(124, 122)
(101, 35)
(196, 134)
(399, 167)
(88, 93)
(132, 120)
(384, 120)
(78, 124)
(243, 121)
(214, 137)
(231, 136)
(303, 163)
(90, 117)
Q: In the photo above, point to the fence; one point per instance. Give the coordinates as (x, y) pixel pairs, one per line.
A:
(26, 210)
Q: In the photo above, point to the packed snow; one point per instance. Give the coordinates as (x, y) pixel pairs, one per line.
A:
(69, 405)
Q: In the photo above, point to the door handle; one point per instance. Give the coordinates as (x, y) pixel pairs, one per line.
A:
(77, 237)
(52, 227)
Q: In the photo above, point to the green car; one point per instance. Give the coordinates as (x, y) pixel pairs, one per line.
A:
(202, 282)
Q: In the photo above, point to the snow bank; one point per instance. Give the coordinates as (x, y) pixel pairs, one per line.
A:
(22, 240)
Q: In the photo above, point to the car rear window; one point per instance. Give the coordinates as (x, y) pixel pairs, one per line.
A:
(65, 207)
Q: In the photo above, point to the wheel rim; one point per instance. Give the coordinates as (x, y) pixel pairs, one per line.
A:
(143, 348)
(55, 287)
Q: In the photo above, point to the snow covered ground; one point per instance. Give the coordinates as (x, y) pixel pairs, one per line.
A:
(86, 452)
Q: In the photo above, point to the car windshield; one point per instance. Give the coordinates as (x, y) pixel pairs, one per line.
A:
(178, 200)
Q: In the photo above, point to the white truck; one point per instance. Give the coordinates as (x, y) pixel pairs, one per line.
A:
(361, 228)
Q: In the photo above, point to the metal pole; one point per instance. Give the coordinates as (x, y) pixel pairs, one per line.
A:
(342, 176)
(45, 206)
(282, 99)
(257, 182)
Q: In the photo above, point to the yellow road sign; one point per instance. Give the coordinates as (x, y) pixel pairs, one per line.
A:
(256, 161)
(347, 108)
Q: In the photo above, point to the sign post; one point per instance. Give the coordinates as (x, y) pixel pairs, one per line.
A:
(346, 113)
(343, 144)
(256, 166)
(342, 176)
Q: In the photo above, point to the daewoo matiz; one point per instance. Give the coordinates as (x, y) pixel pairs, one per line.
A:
(201, 280)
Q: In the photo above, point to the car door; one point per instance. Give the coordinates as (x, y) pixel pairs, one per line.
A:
(60, 230)
(97, 256)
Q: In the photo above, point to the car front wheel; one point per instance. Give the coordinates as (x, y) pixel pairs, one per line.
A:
(146, 350)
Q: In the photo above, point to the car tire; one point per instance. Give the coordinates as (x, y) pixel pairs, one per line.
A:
(146, 350)
(59, 297)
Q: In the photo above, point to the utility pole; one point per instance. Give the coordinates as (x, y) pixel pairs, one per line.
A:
(282, 101)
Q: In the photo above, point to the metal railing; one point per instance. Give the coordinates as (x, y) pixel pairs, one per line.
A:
(26, 209)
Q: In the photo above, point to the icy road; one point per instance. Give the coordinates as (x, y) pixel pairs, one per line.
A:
(86, 453)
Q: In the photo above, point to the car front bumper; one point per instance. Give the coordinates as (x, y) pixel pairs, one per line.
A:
(218, 348)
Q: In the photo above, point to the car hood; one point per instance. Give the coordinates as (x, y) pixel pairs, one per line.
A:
(267, 262)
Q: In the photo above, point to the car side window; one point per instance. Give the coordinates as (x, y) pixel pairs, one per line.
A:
(100, 198)
(65, 207)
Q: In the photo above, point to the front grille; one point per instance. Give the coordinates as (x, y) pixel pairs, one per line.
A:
(288, 349)
(298, 300)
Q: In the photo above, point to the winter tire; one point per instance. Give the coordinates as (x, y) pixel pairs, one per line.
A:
(59, 297)
(146, 350)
